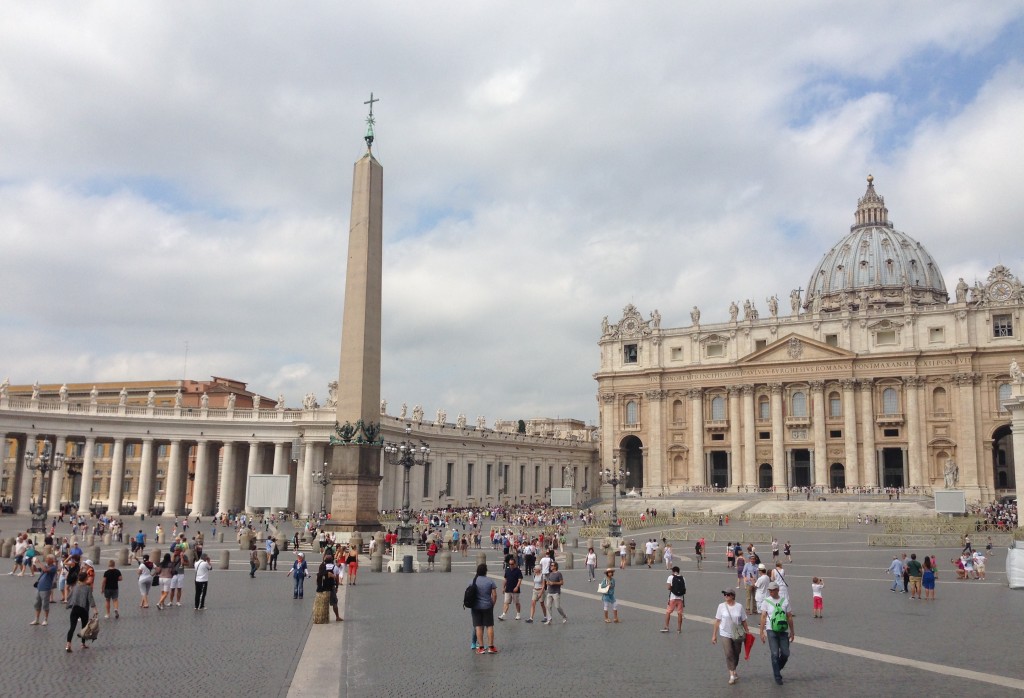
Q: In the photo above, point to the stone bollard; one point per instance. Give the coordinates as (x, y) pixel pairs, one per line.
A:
(220, 537)
(611, 559)
(264, 559)
(575, 542)
(106, 539)
(244, 541)
(91, 541)
(376, 561)
(225, 560)
(94, 555)
(356, 542)
(122, 557)
(640, 559)
(154, 556)
(446, 561)
(569, 562)
(481, 558)
(161, 537)
(5, 550)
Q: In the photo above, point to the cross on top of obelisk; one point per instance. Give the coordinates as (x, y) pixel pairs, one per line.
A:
(369, 123)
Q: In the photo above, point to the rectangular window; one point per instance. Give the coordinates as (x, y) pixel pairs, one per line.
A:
(551, 476)
(469, 480)
(159, 486)
(1002, 325)
(161, 451)
(488, 479)
(835, 433)
(98, 450)
(629, 354)
(522, 478)
(760, 344)
(426, 481)
(677, 353)
(448, 475)
(835, 407)
(892, 433)
(715, 350)
(718, 437)
(936, 335)
(884, 337)
(96, 486)
(764, 435)
(832, 340)
(129, 450)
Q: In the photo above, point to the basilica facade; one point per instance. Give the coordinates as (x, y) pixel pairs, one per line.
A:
(872, 377)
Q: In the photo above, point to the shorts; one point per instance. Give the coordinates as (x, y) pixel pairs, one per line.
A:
(819, 603)
(675, 605)
(915, 585)
(511, 596)
(178, 581)
(42, 602)
(538, 595)
(611, 605)
(483, 617)
(19, 559)
(110, 594)
(165, 584)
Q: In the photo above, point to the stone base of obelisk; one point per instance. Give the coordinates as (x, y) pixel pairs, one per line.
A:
(355, 485)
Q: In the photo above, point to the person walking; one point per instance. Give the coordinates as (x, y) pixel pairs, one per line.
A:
(178, 580)
(80, 601)
(166, 576)
(592, 564)
(676, 586)
(928, 575)
(299, 571)
(698, 550)
(913, 570)
(145, 573)
(777, 629)
(731, 624)
(896, 570)
(553, 586)
(203, 568)
(483, 610)
(538, 595)
(44, 587)
(110, 586)
(668, 556)
(254, 562)
(607, 590)
(274, 552)
(352, 563)
(513, 580)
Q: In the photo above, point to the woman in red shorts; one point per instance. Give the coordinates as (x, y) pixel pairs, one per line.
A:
(353, 564)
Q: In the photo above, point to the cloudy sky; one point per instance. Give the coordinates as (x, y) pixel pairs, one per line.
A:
(180, 172)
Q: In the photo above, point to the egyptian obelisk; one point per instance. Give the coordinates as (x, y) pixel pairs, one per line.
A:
(355, 470)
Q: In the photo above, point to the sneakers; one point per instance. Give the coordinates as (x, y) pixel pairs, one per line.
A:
(501, 617)
(107, 616)
(492, 650)
(517, 616)
(35, 622)
(565, 620)
(159, 607)
(481, 650)
(177, 603)
(664, 630)
(474, 647)
(547, 621)
(529, 620)
(732, 680)
(43, 623)
(117, 614)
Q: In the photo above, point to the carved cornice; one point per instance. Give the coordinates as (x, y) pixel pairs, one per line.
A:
(914, 381)
(656, 394)
(776, 388)
(734, 391)
(747, 389)
(695, 393)
(608, 398)
(848, 383)
(867, 383)
(963, 379)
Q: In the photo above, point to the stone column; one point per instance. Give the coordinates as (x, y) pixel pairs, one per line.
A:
(850, 431)
(967, 453)
(1016, 408)
(252, 469)
(780, 467)
(24, 503)
(914, 450)
(749, 447)
(820, 459)
(201, 485)
(736, 476)
(697, 428)
(88, 473)
(308, 466)
(227, 479)
(654, 467)
(147, 469)
(116, 478)
(57, 479)
(280, 463)
(867, 402)
(173, 501)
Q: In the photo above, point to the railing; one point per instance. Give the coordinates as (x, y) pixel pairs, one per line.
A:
(931, 541)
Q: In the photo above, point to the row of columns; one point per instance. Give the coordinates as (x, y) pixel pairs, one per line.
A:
(206, 483)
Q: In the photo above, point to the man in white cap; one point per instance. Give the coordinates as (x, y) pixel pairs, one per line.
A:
(777, 629)
(760, 587)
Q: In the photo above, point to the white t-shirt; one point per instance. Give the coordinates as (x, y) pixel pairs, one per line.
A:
(816, 590)
(649, 548)
(622, 550)
(203, 571)
(591, 558)
(143, 571)
(730, 619)
(761, 589)
(545, 565)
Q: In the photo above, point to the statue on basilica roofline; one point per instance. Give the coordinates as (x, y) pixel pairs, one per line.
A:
(816, 303)
(122, 398)
(656, 319)
(961, 290)
(405, 410)
(280, 402)
(177, 398)
(794, 301)
(204, 401)
(481, 422)
(94, 396)
(461, 421)
(309, 401)
(417, 413)
(332, 395)
(35, 390)
(773, 306)
(4, 386)
(383, 407)
(151, 398)
(605, 327)
(695, 316)
(749, 311)
(63, 393)
(734, 311)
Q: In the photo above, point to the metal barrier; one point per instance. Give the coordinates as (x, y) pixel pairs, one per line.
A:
(929, 541)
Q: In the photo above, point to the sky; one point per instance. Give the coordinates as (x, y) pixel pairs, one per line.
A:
(175, 177)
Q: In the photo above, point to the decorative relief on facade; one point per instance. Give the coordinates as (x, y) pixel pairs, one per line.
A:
(776, 388)
(1001, 287)
(608, 398)
(747, 389)
(631, 326)
(795, 348)
(816, 386)
(694, 393)
(848, 383)
(798, 434)
(656, 394)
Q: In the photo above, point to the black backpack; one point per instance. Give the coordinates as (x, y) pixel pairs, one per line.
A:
(469, 598)
(678, 585)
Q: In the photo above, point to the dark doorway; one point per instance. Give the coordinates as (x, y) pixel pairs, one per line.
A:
(719, 469)
(1002, 458)
(801, 468)
(632, 452)
(837, 476)
(764, 476)
(892, 467)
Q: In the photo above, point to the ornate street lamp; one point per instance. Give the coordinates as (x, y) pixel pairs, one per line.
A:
(613, 477)
(406, 454)
(49, 461)
(322, 478)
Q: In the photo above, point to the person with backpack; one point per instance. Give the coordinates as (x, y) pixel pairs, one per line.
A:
(482, 609)
(676, 591)
(777, 629)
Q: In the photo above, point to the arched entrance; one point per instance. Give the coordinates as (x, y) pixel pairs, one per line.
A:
(764, 476)
(837, 476)
(1002, 458)
(632, 459)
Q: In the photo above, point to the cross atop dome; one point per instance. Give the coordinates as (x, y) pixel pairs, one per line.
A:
(871, 209)
(369, 123)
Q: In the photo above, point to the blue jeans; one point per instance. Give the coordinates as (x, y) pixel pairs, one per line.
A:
(300, 580)
(778, 645)
(897, 581)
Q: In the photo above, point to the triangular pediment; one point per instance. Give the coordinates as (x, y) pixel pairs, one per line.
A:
(795, 348)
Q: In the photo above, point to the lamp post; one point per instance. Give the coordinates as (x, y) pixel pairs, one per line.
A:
(322, 478)
(406, 454)
(49, 461)
(613, 477)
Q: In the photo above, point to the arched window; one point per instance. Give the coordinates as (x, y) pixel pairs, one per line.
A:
(940, 401)
(717, 407)
(835, 405)
(631, 413)
(799, 404)
(764, 408)
(890, 401)
(677, 412)
(1004, 394)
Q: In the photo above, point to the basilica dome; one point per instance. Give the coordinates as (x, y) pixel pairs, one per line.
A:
(875, 266)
